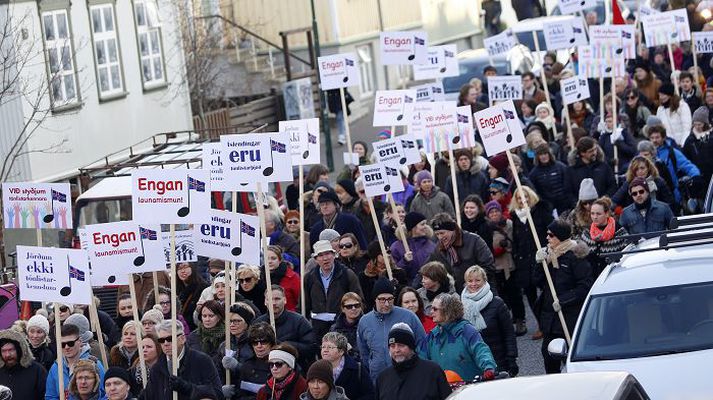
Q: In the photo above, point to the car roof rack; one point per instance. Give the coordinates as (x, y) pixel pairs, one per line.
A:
(678, 222)
(668, 242)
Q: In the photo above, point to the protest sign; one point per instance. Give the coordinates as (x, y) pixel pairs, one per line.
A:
(680, 20)
(408, 47)
(500, 43)
(574, 89)
(229, 236)
(430, 92)
(304, 140)
(350, 158)
(646, 10)
(170, 196)
(53, 275)
(338, 71)
(185, 246)
(256, 157)
(299, 99)
(37, 205)
(574, 6)
(703, 42)
(393, 107)
(440, 126)
(612, 41)
(397, 151)
(442, 63)
(499, 128)
(466, 133)
(504, 88)
(591, 67)
(380, 179)
(564, 33)
(659, 29)
(213, 162)
(415, 126)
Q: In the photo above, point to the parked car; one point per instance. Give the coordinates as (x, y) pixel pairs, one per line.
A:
(611, 385)
(471, 64)
(651, 314)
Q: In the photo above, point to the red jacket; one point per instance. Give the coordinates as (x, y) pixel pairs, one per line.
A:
(291, 283)
(297, 388)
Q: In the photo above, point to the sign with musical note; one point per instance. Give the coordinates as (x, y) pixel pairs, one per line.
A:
(592, 67)
(257, 157)
(409, 47)
(500, 43)
(37, 205)
(380, 179)
(574, 6)
(499, 128)
(49, 274)
(185, 246)
(466, 133)
(504, 88)
(170, 196)
(304, 140)
(442, 63)
(662, 28)
(393, 107)
(564, 34)
(338, 71)
(397, 151)
(440, 126)
(430, 92)
(229, 236)
(612, 41)
(574, 89)
(703, 42)
(213, 162)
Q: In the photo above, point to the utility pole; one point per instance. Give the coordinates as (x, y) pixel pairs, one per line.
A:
(322, 99)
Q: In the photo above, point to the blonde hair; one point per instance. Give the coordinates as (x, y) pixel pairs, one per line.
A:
(532, 197)
(475, 270)
(246, 269)
(129, 324)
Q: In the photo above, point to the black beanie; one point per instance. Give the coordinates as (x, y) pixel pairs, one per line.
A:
(381, 286)
(322, 370)
(243, 312)
(412, 219)
(667, 89)
(117, 372)
(348, 186)
(402, 334)
(561, 229)
(330, 195)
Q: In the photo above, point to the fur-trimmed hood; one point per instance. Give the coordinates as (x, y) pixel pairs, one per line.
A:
(25, 356)
(573, 158)
(581, 250)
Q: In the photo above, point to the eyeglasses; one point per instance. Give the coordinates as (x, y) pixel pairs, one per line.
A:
(245, 280)
(167, 339)
(346, 245)
(165, 303)
(635, 193)
(328, 347)
(385, 299)
(493, 192)
(351, 306)
(259, 342)
(276, 364)
(293, 222)
(71, 343)
(236, 321)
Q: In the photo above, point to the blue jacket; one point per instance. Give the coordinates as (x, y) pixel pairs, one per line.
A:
(345, 223)
(52, 385)
(675, 161)
(373, 337)
(457, 346)
(658, 218)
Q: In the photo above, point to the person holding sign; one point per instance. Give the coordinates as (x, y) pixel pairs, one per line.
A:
(419, 237)
(333, 218)
(469, 181)
(73, 350)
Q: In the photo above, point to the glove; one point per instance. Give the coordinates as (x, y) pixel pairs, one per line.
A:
(616, 136)
(513, 369)
(556, 306)
(541, 255)
(180, 385)
(228, 391)
(488, 375)
(230, 363)
(601, 126)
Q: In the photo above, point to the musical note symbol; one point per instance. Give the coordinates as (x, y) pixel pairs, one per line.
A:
(583, 3)
(349, 63)
(311, 139)
(416, 41)
(72, 273)
(193, 184)
(55, 195)
(246, 229)
(148, 234)
(274, 147)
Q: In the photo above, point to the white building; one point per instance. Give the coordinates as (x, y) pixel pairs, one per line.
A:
(102, 75)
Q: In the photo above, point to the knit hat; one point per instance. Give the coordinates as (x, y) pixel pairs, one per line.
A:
(587, 191)
(561, 229)
(322, 184)
(154, 314)
(403, 334)
(243, 312)
(348, 186)
(382, 286)
(652, 120)
(412, 219)
(701, 115)
(284, 356)
(667, 89)
(639, 181)
(646, 145)
(322, 246)
(492, 205)
(329, 195)
(329, 234)
(500, 184)
(499, 162)
(643, 65)
(292, 214)
(443, 225)
(215, 263)
(81, 322)
(117, 372)
(423, 175)
(542, 148)
(39, 321)
(322, 370)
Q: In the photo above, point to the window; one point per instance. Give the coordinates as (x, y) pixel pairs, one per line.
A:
(366, 69)
(107, 57)
(148, 32)
(60, 58)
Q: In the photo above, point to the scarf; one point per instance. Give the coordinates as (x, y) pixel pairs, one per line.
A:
(473, 303)
(603, 235)
(555, 252)
(279, 273)
(128, 354)
(521, 215)
(405, 365)
(329, 224)
(211, 338)
(280, 387)
(447, 246)
(700, 135)
(442, 288)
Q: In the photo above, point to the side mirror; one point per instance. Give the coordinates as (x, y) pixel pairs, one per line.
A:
(557, 348)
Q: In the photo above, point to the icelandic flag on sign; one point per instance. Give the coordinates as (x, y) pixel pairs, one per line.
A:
(350, 63)
(408, 99)
(576, 30)
(148, 233)
(391, 171)
(311, 138)
(195, 184)
(508, 114)
(437, 90)
(58, 196)
(277, 146)
(418, 40)
(247, 229)
(463, 119)
(448, 53)
(76, 274)
(679, 19)
(407, 144)
(625, 35)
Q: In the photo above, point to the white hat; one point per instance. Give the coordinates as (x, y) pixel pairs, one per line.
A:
(587, 190)
(39, 321)
(322, 246)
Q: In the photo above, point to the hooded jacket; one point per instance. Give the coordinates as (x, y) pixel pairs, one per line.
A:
(27, 378)
(598, 170)
(472, 250)
(676, 163)
(437, 202)
(52, 385)
(550, 181)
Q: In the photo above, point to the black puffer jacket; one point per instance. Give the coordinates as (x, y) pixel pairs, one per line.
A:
(523, 245)
(598, 170)
(499, 334)
(550, 182)
(44, 355)
(468, 183)
(195, 368)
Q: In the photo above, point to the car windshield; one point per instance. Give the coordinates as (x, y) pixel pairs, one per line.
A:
(472, 69)
(646, 322)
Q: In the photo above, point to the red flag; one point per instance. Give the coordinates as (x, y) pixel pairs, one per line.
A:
(616, 17)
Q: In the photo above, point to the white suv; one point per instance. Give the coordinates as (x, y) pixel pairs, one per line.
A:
(651, 315)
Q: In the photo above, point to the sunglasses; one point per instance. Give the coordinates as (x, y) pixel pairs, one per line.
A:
(260, 342)
(70, 343)
(167, 339)
(632, 98)
(635, 193)
(351, 306)
(493, 191)
(550, 234)
(293, 222)
(346, 245)
(64, 309)
(276, 364)
(245, 280)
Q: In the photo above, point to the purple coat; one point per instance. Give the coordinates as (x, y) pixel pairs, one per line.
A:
(422, 247)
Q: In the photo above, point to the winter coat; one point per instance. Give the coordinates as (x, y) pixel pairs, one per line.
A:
(292, 392)
(27, 379)
(356, 264)
(676, 163)
(626, 147)
(479, 226)
(413, 379)
(117, 358)
(52, 385)
(502, 247)
(425, 294)
(472, 250)
(243, 352)
(437, 202)
(373, 335)
(254, 373)
(344, 223)
(294, 329)
(457, 346)
(443, 172)
(365, 219)
(499, 334)
(572, 281)
(189, 296)
(523, 244)
(336, 394)
(658, 189)
(598, 170)
(421, 247)
(355, 380)
(195, 341)
(44, 355)
(693, 100)
(290, 282)
(597, 248)
(677, 123)
(287, 243)
(700, 152)
(468, 183)
(194, 367)
(319, 300)
(658, 218)
(550, 181)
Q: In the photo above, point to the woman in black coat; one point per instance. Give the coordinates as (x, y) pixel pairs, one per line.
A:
(189, 285)
(354, 377)
(473, 219)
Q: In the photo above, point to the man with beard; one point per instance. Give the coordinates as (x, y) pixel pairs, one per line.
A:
(18, 370)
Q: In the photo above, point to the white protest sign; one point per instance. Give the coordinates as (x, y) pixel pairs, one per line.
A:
(466, 133)
(683, 30)
(185, 246)
(442, 63)
(574, 6)
(170, 196)
(380, 179)
(338, 71)
(500, 43)
(658, 29)
(304, 140)
(350, 158)
(53, 275)
(415, 126)
(440, 126)
(37, 205)
(397, 151)
(430, 92)
(213, 162)
(611, 41)
(646, 10)
(408, 47)
(504, 88)
(574, 89)
(499, 128)
(117, 249)
(229, 236)
(563, 34)
(591, 67)
(703, 42)
(393, 107)
(256, 157)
